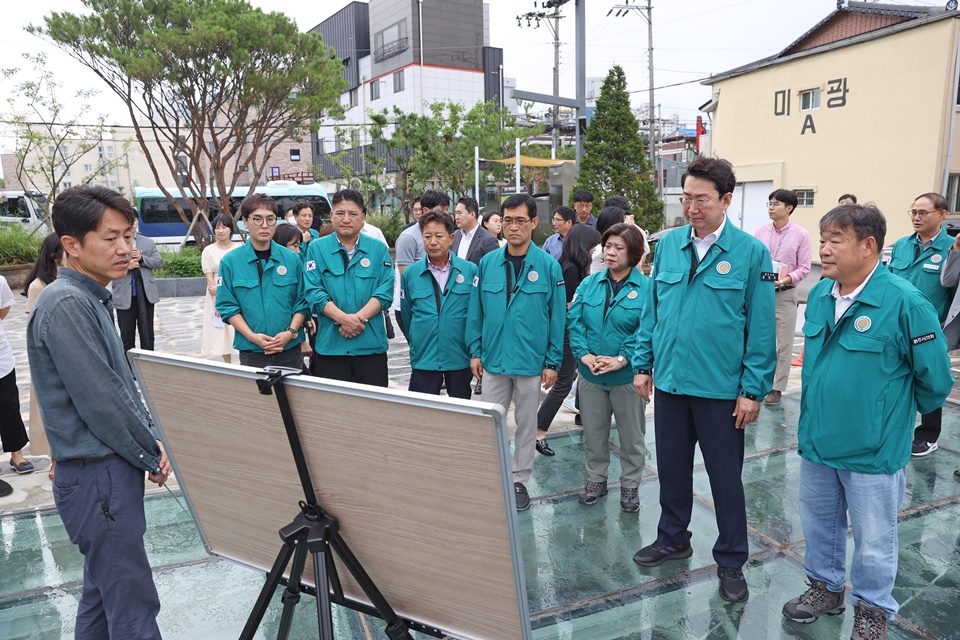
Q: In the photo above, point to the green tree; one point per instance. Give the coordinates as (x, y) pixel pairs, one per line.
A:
(613, 161)
(399, 137)
(54, 134)
(212, 86)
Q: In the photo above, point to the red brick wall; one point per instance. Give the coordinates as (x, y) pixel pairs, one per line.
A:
(845, 25)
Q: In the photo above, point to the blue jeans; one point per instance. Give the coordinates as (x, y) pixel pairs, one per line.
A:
(101, 505)
(872, 500)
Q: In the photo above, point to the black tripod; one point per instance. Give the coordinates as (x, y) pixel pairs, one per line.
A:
(316, 531)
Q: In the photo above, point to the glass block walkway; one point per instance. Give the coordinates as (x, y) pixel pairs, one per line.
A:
(581, 581)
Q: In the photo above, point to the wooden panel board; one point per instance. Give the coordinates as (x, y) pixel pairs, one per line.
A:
(421, 486)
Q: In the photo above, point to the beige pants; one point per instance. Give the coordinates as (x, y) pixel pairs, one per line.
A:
(786, 331)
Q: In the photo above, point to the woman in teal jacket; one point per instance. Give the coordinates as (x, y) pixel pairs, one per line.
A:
(603, 322)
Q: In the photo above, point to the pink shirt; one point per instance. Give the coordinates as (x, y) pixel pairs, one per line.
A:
(790, 245)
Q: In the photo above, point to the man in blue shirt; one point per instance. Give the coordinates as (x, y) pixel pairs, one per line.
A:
(563, 220)
(100, 434)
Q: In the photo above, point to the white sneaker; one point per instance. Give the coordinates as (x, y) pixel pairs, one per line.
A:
(570, 405)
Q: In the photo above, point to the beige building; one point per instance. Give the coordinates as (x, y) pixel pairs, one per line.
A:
(865, 102)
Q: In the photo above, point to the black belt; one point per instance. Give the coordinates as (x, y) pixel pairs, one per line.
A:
(784, 288)
(87, 460)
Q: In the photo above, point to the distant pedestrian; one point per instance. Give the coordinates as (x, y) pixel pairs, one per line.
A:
(583, 205)
(789, 246)
(216, 338)
(471, 241)
(515, 329)
(44, 271)
(603, 322)
(417, 211)
(303, 217)
(563, 220)
(877, 356)
(13, 433)
(492, 222)
(136, 294)
(847, 198)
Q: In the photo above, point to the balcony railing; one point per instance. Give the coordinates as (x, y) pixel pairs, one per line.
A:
(391, 49)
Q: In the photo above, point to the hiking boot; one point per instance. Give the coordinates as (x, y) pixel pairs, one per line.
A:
(592, 491)
(656, 554)
(521, 496)
(923, 448)
(629, 500)
(733, 586)
(814, 602)
(868, 623)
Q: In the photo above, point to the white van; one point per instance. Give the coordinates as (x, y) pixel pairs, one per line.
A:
(21, 207)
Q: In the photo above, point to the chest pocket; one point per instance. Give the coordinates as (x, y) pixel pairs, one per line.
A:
(860, 343)
(246, 283)
(364, 272)
(669, 277)
(723, 284)
(900, 264)
(492, 288)
(540, 287)
(812, 329)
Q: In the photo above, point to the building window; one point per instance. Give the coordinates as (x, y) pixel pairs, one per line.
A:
(353, 98)
(810, 100)
(953, 193)
(109, 152)
(375, 90)
(88, 168)
(295, 155)
(66, 185)
(804, 197)
(390, 41)
(398, 84)
(113, 185)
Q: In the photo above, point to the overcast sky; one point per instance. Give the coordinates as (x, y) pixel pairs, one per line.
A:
(692, 39)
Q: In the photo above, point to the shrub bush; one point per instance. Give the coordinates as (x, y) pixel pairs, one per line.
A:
(182, 264)
(391, 223)
(18, 245)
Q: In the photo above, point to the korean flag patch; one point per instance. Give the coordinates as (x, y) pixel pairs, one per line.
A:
(476, 280)
(219, 281)
(311, 265)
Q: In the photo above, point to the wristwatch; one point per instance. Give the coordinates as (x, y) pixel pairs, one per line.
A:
(295, 332)
(749, 396)
(622, 360)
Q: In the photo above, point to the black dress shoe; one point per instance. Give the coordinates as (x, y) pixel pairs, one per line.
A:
(733, 586)
(544, 448)
(5, 489)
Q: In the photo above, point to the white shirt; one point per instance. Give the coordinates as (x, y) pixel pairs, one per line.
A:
(466, 239)
(703, 245)
(845, 302)
(374, 232)
(7, 363)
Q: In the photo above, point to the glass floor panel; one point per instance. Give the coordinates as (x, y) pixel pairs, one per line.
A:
(581, 580)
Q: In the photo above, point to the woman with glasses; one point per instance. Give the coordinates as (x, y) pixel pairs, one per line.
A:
(217, 337)
(603, 323)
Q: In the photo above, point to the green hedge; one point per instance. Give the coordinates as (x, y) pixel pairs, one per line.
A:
(183, 264)
(391, 223)
(18, 246)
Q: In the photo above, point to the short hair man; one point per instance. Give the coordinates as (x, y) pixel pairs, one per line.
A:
(471, 241)
(707, 335)
(563, 220)
(349, 282)
(135, 295)
(919, 259)
(583, 204)
(875, 355)
(847, 198)
(260, 291)
(417, 212)
(515, 329)
(434, 300)
(789, 246)
(409, 245)
(100, 434)
(303, 218)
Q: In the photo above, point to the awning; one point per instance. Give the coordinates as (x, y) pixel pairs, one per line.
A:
(529, 161)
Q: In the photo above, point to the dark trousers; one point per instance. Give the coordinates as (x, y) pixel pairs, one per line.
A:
(560, 389)
(13, 435)
(137, 319)
(929, 429)
(680, 422)
(371, 369)
(291, 358)
(396, 314)
(101, 505)
(458, 382)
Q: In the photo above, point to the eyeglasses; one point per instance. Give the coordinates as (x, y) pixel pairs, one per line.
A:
(263, 222)
(701, 202)
(773, 203)
(518, 222)
(559, 220)
(920, 212)
(343, 213)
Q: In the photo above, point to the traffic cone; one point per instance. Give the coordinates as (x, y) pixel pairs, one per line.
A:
(798, 362)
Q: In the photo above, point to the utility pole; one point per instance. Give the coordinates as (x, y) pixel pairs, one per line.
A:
(552, 20)
(623, 10)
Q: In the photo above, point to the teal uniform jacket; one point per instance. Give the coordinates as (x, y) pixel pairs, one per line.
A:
(923, 270)
(712, 335)
(524, 337)
(607, 325)
(349, 283)
(435, 320)
(267, 305)
(314, 235)
(865, 378)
